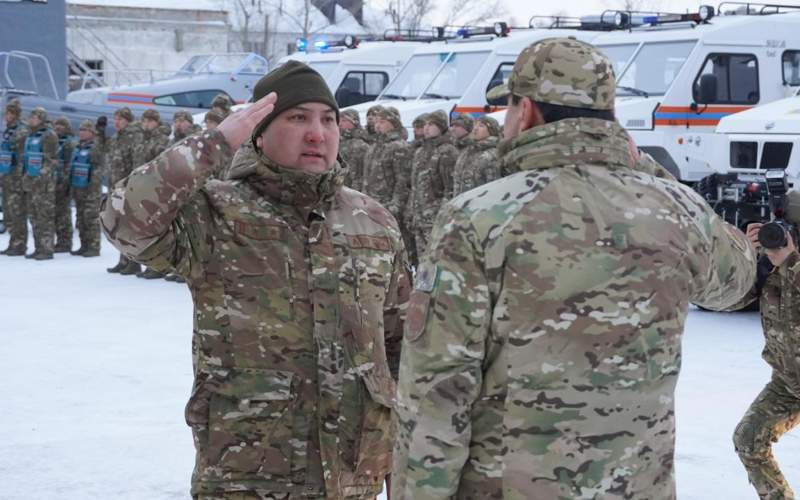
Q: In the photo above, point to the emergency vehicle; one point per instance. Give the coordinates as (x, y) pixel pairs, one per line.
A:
(678, 75)
(453, 74)
(193, 87)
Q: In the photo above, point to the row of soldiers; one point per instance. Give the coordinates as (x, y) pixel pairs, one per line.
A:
(413, 179)
(44, 169)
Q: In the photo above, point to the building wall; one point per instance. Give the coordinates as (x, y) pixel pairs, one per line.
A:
(37, 27)
(154, 42)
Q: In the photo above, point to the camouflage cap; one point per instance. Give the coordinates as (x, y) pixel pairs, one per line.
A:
(213, 116)
(491, 124)
(39, 113)
(438, 118)
(465, 121)
(14, 107)
(352, 116)
(125, 113)
(392, 115)
(87, 125)
(151, 114)
(63, 121)
(792, 214)
(183, 114)
(374, 109)
(561, 71)
(420, 120)
(223, 102)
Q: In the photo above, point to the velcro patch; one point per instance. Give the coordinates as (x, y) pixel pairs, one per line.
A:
(417, 315)
(259, 231)
(381, 243)
(426, 277)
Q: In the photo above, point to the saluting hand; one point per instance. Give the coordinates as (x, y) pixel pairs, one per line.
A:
(238, 126)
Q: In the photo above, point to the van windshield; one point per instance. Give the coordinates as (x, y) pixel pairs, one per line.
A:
(414, 78)
(653, 69)
(456, 75)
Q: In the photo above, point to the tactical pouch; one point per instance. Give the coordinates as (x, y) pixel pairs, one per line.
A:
(80, 170)
(6, 160)
(33, 164)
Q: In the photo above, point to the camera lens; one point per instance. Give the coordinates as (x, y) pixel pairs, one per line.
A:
(772, 236)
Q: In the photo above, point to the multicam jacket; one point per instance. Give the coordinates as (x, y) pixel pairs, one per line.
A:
(299, 287)
(431, 179)
(387, 167)
(155, 142)
(477, 165)
(353, 149)
(543, 339)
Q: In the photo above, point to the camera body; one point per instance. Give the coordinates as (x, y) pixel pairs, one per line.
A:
(775, 234)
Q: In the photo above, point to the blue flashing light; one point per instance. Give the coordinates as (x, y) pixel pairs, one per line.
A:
(302, 44)
(463, 33)
(321, 44)
(650, 20)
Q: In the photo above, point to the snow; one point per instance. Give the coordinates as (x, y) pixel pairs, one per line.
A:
(214, 5)
(97, 369)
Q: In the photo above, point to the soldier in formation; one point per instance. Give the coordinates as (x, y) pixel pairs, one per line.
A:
(776, 410)
(372, 114)
(299, 288)
(432, 178)
(183, 126)
(40, 162)
(419, 131)
(125, 151)
(477, 164)
(212, 119)
(63, 209)
(460, 129)
(85, 185)
(352, 148)
(221, 105)
(12, 151)
(543, 335)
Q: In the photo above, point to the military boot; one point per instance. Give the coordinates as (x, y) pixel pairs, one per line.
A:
(91, 253)
(32, 255)
(63, 247)
(150, 274)
(130, 268)
(14, 252)
(42, 256)
(120, 265)
(79, 251)
(174, 277)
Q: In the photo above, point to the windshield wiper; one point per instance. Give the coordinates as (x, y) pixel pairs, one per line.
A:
(634, 91)
(436, 96)
(393, 96)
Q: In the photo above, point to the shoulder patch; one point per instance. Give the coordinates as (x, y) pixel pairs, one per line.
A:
(426, 278)
(381, 243)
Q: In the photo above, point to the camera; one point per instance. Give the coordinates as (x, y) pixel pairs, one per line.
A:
(775, 234)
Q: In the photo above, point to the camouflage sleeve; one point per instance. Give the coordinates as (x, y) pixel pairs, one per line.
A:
(69, 147)
(20, 137)
(763, 270)
(50, 154)
(402, 182)
(488, 167)
(447, 165)
(96, 173)
(447, 325)
(138, 150)
(722, 258)
(157, 214)
(394, 309)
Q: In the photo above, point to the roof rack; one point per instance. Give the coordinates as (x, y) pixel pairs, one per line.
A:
(756, 9)
(611, 20)
(554, 22)
(427, 35)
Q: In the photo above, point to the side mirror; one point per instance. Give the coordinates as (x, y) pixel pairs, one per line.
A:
(707, 89)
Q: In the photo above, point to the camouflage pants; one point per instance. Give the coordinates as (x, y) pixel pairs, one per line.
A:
(774, 412)
(40, 198)
(63, 214)
(87, 212)
(15, 214)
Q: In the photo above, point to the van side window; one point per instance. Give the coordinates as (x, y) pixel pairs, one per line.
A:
(727, 79)
(500, 77)
(191, 99)
(791, 67)
(360, 86)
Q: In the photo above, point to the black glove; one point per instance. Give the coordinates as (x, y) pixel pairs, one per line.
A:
(101, 123)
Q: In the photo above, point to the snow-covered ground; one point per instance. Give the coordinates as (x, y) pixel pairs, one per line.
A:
(96, 370)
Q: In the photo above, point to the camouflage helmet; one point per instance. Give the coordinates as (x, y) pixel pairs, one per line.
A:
(465, 121)
(213, 116)
(39, 113)
(14, 107)
(352, 116)
(438, 118)
(151, 114)
(87, 125)
(420, 120)
(223, 102)
(183, 114)
(373, 110)
(561, 71)
(392, 115)
(125, 113)
(491, 124)
(63, 121)
(792, 213)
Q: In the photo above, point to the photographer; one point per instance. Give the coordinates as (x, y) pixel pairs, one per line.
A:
(776, 410)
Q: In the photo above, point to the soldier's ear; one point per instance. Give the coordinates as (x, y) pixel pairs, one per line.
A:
(531, 114)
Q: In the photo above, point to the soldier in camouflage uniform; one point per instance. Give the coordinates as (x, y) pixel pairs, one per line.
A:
(183, 126)
(460, 129)
(40, 162)
(432, 178)
(299, 287)
(419, 131)
(63, 211)
(12, 149)
(776, 410)
(543, 339)
(212, 120)
(478, 164)
(221, 105)
(372, 114)
(85, 185)
(126, 151)
(352, 148)
(387, 163)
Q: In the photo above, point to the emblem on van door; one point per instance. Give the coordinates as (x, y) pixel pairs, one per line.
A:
(769, 125)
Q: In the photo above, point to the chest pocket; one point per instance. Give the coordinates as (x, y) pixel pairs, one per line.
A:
(257, 275)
